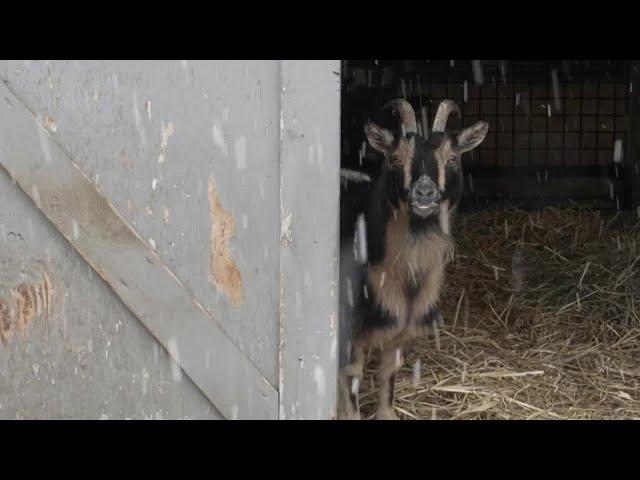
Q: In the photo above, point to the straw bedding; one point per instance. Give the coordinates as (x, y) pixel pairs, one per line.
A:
(542, 320)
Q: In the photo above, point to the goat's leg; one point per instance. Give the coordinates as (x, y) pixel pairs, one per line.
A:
(349, 381)
(391, 359)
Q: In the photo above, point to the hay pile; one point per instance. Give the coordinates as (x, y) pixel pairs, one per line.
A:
(542, 320)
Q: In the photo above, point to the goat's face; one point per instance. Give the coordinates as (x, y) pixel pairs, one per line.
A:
(429, 170)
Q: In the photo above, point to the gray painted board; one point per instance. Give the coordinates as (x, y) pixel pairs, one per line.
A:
(130, 266)
(88, 358)
(310, 177)
(206, 120)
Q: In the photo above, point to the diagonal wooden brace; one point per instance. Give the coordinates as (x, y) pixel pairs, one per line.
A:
(130, 266)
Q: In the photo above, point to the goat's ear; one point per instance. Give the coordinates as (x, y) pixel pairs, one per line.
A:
(471, 137)
(379, 138)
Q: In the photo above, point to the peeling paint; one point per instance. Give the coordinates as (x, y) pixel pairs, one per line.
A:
(218, 138)
(224, 273)
(285, 228)
(50, 124)
(23, 304)
(166, 132)
(333, 321)
(138, 121)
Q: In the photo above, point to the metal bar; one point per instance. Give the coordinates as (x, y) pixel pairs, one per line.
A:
(429, 97)
(631, 197)
(495, 161)
(530, 117)
(564, 119)
(586, 115)
(576, 188)
(615, 102)
(480, 150)
(546, 138)
(524, 70)
(597, 121)
(580, 130)
(513, 124)
(555, 172)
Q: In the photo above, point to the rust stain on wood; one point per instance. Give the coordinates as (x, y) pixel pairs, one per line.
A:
(50, 124)
(224, 274)
(23, 304)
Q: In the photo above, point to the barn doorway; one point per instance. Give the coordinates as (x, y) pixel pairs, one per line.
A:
(541, 302)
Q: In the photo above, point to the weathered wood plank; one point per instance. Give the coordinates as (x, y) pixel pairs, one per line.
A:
(206, 120)
(83, 355)
(310, 178)
(130, 266)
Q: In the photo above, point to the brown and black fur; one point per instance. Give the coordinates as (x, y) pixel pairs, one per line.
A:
(408, 249)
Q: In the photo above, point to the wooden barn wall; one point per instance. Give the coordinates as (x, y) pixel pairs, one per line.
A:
(173, 145)
(310, 195)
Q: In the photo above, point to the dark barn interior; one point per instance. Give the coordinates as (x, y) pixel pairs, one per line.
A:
(553, 124)
(542, 299)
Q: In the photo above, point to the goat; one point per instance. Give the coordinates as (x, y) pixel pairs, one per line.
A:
(408, 239)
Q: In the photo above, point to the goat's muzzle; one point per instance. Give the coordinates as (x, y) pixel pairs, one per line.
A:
(424, 197)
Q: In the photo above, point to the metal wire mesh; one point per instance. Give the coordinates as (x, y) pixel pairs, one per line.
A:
(548, 119)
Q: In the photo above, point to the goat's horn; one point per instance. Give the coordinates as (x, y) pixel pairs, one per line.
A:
(442, 115)
(407, 115)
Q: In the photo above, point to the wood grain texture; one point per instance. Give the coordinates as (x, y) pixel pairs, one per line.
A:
(85, 356)
(150, 134)
(130, 266)
(309, 196)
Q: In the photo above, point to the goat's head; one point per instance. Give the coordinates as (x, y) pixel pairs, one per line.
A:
(428, 170)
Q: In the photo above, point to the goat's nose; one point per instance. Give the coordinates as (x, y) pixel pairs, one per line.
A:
(426, 190)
